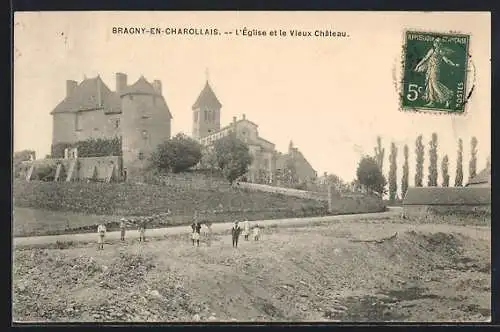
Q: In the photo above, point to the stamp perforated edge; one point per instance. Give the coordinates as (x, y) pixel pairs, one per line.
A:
(399, 82)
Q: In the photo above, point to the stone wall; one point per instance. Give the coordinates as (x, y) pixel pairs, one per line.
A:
(84, 168)
(339, 203)
(452, 214)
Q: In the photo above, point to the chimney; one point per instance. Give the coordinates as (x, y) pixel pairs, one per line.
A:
(121, 82)
(234, 120)
(244, 116)
(157, 86)
(70, 87)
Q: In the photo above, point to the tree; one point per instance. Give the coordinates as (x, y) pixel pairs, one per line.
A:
(406, 171)
(233, 157)
(473, 158)
(18, 158)
(459, 175)
(444, 171)
(433, 159)
(176, 154)
(370, 175)
(393, 184)
(419, 170)
(379, 153)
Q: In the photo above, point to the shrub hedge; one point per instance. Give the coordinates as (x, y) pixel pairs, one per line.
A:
(145, 200)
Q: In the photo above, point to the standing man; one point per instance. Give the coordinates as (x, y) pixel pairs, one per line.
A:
(101, 231)
(122, 229)
(142, 230)
(235, 233)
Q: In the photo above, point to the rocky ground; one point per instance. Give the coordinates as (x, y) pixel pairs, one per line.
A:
(316, 273)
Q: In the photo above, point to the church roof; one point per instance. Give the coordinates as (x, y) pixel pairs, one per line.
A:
(482, 177)
(91, 93)
(207, 97)
(140, 87)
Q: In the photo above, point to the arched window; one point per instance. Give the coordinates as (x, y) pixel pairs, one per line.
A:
(206, 115)
(195, 116)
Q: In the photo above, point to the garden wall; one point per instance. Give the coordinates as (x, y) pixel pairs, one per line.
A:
(84, 168)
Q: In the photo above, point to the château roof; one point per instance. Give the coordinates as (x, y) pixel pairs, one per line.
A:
(140, 87)
(91, 93)
(207, 98)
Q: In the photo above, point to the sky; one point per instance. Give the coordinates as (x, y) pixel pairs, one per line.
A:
(331, 96)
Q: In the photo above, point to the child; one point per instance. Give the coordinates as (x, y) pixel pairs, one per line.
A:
(246, 229)
(235, 233)
(122, 229)
(142, 231)
(101, 230)
(256, 233)
(209, 233)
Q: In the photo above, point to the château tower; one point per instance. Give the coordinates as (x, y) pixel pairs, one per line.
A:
(145, 122)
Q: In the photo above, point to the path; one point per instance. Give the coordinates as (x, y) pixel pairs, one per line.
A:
(216, 228)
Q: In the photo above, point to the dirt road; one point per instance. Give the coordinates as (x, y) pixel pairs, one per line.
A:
(427, 273)
(216, 228)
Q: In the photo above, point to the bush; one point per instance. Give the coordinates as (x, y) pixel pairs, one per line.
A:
(92, 147)
(177, 154)
(145, 200)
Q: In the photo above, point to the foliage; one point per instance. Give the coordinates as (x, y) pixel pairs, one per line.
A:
(459, 175)
(208, 158)
(233, 157)
(406, 171)
(433, 159)
(473, 158)
(393, 184)
(44, 172)
(379, 153)
(419, 170)
(18, 158)
(176, 154)
(444, 170)
(126, 199)
(92, 147)
(370, 175)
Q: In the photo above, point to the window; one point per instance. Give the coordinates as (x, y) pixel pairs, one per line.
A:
(141, 156)
(144, 135)
(117, 123)
(206, 115)
(195, 116)
(78, 122)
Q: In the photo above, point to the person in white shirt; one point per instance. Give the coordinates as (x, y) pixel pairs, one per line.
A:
(246, 229)
(256, 233)
(101, 231)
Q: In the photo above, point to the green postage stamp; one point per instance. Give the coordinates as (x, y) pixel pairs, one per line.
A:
(435, 72)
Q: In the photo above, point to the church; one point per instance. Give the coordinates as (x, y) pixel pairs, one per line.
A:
(139, 114)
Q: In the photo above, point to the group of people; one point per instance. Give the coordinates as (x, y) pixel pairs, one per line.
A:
(196, 226)
(101, 230)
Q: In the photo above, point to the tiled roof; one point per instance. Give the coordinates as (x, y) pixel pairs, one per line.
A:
(447, 196)
(483, 177)
(140, 87)
(86, 97)
(207, 98)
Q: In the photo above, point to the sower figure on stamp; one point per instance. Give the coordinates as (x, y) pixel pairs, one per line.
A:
(235, 233)
(101, 231)
(256, 233)
(209, 233)
(435, 91)
(142, 230)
